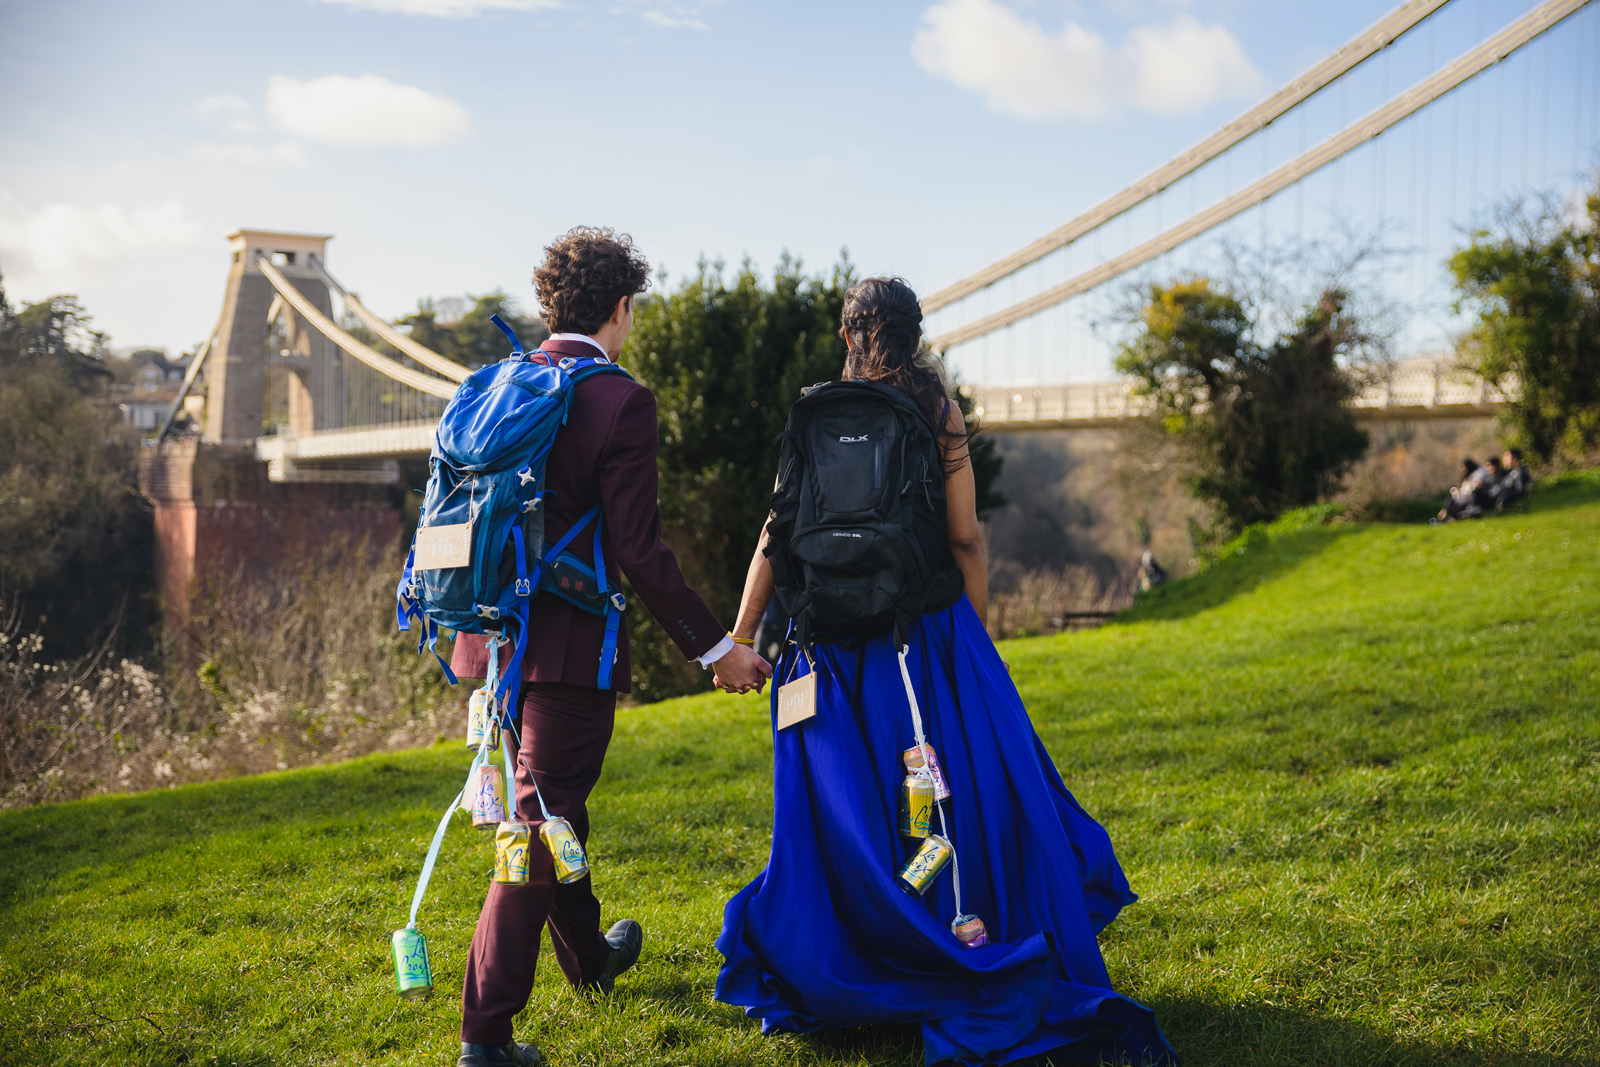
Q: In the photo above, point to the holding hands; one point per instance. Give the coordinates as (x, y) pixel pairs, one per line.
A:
(741, 670)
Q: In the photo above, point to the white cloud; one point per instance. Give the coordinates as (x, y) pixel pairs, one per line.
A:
(669, 21)
(447, 9)
(1182, 67)
(55, 248)
(364, 112)
(1021, 68)
(284, 154)
(233, 114)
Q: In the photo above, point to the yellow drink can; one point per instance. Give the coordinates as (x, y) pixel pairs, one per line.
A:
(511, 853)
(565, 849)
(916, 805)
(924, 867)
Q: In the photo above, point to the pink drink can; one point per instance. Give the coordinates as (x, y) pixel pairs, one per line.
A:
(969, 931)
(918, 755)
(489, 797)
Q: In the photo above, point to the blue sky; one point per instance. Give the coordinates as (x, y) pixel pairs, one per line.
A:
(443, 142)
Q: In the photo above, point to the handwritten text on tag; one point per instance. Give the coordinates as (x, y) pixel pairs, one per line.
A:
(797, 701)
(442, 547)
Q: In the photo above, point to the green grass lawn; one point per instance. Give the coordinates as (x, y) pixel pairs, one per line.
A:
(1353, 771)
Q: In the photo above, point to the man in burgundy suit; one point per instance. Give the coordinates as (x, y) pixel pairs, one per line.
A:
(606, 454)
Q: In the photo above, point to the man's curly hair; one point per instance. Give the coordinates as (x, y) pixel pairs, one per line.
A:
(585, 272)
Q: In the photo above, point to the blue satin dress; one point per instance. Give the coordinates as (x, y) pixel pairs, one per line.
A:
(826, 936)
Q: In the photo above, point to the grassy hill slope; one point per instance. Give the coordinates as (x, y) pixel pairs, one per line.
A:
(1353, 771)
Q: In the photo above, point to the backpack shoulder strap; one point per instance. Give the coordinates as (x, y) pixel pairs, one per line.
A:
(589, 366)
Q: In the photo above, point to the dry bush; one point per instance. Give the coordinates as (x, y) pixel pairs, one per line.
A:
(305, 669)
(1025, 603)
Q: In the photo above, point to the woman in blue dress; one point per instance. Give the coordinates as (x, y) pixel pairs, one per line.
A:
(828, 935)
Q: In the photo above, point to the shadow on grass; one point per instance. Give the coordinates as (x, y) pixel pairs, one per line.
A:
(1264, 1035)
(40, 845)
(1255, 557)
(1212, 1035)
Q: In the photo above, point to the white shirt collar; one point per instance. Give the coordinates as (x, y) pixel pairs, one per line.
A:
(579, 337)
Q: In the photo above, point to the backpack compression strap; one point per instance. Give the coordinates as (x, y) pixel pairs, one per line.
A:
(615, 601)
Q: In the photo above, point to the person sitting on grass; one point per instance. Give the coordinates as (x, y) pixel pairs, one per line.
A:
(1513, 485)
(1472, 478)
(1151, 573)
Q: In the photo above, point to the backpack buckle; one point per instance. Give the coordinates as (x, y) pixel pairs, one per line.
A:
(567, 364)
(524, 587)
(525, 476)
(618, 601)
(530, 505)
(489, 611)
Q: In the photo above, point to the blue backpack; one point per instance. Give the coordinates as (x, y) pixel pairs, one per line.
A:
(479, 556)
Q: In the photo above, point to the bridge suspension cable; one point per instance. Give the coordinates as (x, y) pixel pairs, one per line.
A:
(1371, 125)
(1360, 48)
(425, 356)
(423, 383)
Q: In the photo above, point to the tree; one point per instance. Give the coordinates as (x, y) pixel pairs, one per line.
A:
(1533, 283)
(1266, 426)
(79, 562)
(726, 361)
(472, 340)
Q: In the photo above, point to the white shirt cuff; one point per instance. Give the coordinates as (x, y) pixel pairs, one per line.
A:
(718, 650)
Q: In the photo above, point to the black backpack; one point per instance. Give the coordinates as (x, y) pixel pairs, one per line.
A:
(857, 535)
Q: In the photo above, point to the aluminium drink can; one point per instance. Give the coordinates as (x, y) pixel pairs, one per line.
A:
(565, 849)
(483, 720)
(488, 797)
(918, 756)
(916, 805)
(969, 931)
(413, 977)
(924, 867)
(511, 853)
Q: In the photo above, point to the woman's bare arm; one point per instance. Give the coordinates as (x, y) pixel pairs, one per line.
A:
(757, 592)
(961, 517)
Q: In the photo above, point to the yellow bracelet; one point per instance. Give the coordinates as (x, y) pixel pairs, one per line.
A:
(743, 640)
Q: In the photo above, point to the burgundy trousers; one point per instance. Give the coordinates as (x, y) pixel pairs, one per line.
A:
(565, 731)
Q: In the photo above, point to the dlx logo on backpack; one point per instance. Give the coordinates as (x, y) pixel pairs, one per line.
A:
(855, 440)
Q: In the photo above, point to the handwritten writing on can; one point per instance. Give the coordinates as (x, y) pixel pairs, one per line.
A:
(921, 870)
(413, 976)
(565, 849)
(916, 805)
(489, 797)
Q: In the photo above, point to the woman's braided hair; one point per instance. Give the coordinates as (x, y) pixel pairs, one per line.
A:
(882, 329)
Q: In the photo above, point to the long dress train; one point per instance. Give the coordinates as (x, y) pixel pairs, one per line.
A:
(826, 935)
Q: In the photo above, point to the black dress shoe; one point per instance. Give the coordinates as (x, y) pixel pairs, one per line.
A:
(626, 938)
(516, 1054)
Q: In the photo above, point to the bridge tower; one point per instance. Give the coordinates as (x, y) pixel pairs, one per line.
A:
(253, 317)
(217, 513)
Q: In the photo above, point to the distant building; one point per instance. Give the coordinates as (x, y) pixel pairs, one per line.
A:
(152, 385)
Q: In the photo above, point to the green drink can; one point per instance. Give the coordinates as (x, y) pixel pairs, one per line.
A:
(924, 867)
(565, 849)
(413, 976)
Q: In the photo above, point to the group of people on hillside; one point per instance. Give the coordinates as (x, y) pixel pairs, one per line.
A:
(1487, 488)
(995, 960)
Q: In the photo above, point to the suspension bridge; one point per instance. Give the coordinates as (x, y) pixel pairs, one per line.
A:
(1413, 128)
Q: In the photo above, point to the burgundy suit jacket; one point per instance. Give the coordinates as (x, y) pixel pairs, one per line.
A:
(605, 454)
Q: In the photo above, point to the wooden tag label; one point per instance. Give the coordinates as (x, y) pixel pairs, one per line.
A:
(797, 701)
(442, 547)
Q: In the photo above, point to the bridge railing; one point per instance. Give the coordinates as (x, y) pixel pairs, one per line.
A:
(1408, 389)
